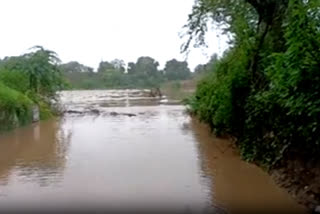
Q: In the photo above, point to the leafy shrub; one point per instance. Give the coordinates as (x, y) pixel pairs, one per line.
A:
(15, 108)
(27, 80)
(285, 116)
(219, 99)
(15, 79)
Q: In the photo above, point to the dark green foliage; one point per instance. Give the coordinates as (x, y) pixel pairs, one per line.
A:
(15, 79)
(144, 65)
(36, 72)
(15, 108)
(175, 70)
(201, 70)
(267, 95)
(144, 73)
(112, 75)
(73, 66)
(218, 99)
(105, 66)
(43, 71)
(25, 81)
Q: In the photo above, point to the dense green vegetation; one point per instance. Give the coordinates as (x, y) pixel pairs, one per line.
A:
(265, 89)
(15, 108)
(27, 81)
(142, 74)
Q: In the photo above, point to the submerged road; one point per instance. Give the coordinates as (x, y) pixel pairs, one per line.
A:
(122, 150)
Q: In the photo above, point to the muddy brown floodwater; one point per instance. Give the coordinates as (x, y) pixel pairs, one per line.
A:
(122, 150)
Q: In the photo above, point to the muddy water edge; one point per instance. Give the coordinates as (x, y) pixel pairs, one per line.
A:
(123, 150)
(239, 186)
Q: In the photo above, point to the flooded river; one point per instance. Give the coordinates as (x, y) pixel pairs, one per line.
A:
(122, 150)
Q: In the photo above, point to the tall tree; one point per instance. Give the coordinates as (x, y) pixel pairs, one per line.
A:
(255, 24)
(105, 66)
(145, 66)
(119, 65)
(44, 73)
(205, 68)
(74, 66)
(176, 70)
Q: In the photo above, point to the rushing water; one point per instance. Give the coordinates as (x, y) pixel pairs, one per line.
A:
(122, 150)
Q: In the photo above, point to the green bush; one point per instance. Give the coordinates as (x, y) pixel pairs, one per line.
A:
(15, 108)
(15, 79)
(220, 97)
(25, 81)
(285, 116)
(45, 111)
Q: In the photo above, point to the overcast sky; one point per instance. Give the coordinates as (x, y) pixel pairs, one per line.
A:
(89, 31)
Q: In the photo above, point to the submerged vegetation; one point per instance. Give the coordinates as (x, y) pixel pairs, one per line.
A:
(265, 89)
(28, 81)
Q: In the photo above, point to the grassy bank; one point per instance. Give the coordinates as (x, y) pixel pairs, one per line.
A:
(28, 82)
(15, 108)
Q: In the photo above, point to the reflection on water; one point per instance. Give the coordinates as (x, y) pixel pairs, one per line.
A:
(157, 159)
(35, 152)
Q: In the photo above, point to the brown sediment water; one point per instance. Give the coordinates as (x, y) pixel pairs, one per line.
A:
(156, 158)
(239, 186)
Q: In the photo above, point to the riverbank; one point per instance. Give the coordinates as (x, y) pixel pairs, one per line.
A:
(239, 186)
(17, 109)
(300, 178)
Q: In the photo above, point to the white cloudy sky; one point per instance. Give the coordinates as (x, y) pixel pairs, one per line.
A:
(89, 31)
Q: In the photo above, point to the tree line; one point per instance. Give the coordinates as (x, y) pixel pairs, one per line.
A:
(32, 79)
(144, 73)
